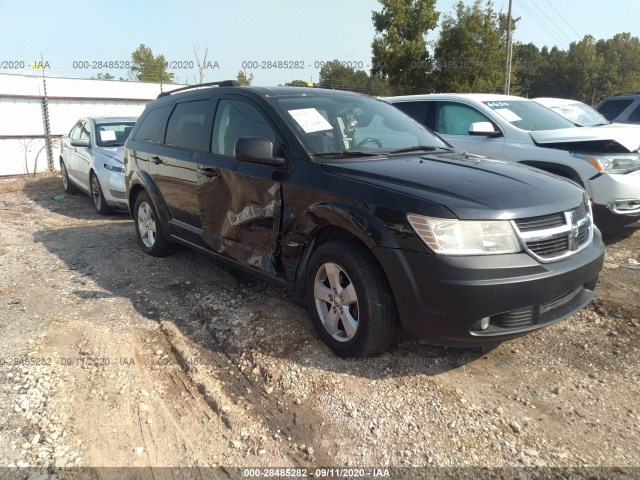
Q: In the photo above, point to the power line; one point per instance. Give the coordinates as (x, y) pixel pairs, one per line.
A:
(537, 20)
(554, 9)
(552, 22)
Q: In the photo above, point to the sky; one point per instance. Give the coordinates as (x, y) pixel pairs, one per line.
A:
(261, 37)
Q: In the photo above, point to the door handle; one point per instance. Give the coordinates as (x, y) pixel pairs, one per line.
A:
(157, 160)
(209, 172)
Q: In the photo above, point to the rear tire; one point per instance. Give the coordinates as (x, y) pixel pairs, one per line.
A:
(97, 196)
(349, 301)
(66, 181)
(149, 228)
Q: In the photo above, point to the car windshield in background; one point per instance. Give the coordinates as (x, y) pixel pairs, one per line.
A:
(528, 115)
(580, 114)
(113, 134)
(344, 126)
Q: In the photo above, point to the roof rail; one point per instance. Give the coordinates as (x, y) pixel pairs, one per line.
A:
(626, 93)
(224, 83)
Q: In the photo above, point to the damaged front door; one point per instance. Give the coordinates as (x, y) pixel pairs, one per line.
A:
(240, 201)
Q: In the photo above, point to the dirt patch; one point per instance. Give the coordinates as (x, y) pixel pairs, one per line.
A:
(114, 358)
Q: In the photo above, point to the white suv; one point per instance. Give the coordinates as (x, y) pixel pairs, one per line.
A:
(605, 162)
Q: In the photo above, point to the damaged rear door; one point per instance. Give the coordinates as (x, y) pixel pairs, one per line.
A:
(240, 202)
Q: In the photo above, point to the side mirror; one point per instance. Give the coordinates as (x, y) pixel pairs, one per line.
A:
(80, 143)
(256, 150)
(485, 129)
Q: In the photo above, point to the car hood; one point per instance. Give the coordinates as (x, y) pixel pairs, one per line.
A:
(627, 137)
(116, 153)
(469, 186)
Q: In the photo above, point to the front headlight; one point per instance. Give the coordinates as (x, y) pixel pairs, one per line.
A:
(612, 162)
(114, 168)
(465, 237)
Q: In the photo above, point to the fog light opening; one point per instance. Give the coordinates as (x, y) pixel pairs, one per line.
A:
(485, 323)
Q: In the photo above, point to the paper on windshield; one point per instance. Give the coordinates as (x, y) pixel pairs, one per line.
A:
(310, 119)
(107, 135)
(507, 114)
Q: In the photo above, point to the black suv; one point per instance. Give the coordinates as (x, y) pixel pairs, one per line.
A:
(372, 219)
(621, 108)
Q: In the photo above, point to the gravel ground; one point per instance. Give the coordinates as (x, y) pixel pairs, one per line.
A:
(111, 358)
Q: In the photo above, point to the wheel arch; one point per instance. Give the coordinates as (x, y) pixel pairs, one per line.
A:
(334, 222)
(556, 169)
(142, 182)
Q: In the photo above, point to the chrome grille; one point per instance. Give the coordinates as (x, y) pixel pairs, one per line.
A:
(553, 237)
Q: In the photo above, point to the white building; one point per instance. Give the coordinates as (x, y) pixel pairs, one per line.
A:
(24, 111)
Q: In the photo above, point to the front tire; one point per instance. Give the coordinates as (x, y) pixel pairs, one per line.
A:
(66, 181)
(98, 197)
(149, 228)
(349, 301)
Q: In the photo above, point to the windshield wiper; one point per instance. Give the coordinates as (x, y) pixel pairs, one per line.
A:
(348, 153)
(428, 148)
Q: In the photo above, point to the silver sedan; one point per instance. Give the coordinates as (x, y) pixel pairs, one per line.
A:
(91, 160)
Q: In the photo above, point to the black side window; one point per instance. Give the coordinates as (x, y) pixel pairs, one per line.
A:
(235, 120)
(152, 125)
(416, 110)
(187, 126)
(635, 115)
(612, 108)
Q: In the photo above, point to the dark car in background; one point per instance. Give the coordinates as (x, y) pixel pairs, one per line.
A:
(621, 108)
(91, 160)
(371, 219)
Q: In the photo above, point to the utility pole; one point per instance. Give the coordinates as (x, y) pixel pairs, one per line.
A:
(507, 54)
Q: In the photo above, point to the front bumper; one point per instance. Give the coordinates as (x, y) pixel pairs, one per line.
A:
(446, 299)
(620, 193)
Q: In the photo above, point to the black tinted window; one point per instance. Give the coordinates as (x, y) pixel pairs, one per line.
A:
(152, 125)
(612, 108)
(416, 110)
(187, 126)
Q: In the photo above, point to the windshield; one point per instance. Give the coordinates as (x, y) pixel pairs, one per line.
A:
(580, 114)
(345, 125)
(528, 115)
(113, 134)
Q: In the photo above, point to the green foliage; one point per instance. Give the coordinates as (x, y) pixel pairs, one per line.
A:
(588, 71)
(338, 76)
(298, 83)
(243, 79)
(399, 49)
(104, 76)
(470, 51)
(149, 68)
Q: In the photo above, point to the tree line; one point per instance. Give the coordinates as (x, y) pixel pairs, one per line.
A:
(467, 56)
(469, 53)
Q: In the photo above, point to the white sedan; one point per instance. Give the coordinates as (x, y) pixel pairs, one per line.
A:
(91, 160)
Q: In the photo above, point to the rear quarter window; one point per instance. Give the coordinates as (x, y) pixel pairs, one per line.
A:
(612, 108)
